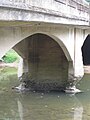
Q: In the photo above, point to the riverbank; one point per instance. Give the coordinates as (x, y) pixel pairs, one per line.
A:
(14, 64)
(8, 69)
(87, 69)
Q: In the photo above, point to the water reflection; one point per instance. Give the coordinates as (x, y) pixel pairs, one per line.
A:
(30, 106)
(78, 109)
(44, 106)
(20, 109)
(78, 113)
(73, 110)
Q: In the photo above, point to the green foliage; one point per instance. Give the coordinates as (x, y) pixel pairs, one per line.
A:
(11, 56)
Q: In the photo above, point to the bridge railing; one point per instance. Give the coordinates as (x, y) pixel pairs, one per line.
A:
(13, 2)
(72, 3)
(80, 5)
(77, 4)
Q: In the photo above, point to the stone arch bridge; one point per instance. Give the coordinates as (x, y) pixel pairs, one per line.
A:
(52, 37)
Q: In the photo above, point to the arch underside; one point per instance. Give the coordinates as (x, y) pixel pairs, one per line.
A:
(86, 51)
(48, 67)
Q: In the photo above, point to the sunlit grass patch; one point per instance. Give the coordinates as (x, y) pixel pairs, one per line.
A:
(7, 71)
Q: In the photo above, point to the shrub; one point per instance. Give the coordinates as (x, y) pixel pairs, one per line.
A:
(11, 56)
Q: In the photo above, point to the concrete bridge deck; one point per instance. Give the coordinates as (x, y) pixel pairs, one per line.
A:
(51, 11)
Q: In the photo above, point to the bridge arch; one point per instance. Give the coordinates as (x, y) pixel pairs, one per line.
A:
(55, 38)
(48, 60)
(86, 51)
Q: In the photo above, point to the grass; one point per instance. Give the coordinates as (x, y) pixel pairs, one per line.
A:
(8, 78)
(7, 71)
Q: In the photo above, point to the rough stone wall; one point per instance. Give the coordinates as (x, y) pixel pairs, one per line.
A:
(48, 65)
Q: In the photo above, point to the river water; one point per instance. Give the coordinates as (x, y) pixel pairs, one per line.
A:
(44, 106)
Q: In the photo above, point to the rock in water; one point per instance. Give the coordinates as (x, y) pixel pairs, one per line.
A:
(21, 87)
(72, 90)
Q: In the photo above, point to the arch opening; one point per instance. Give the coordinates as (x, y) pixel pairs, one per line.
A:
(8, 67)
(45, 62)
(86, 51)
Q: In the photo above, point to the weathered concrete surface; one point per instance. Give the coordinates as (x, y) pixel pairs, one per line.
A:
(52, 11)
(66, 36)
(20, 19)
(48, 35)
(48, 65)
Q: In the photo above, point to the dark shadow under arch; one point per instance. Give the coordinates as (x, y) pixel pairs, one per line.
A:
(86, 51)
(48, 60)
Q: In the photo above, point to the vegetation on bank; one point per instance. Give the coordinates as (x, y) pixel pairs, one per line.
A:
(8, 78)
(8, 70)
(10, 57)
